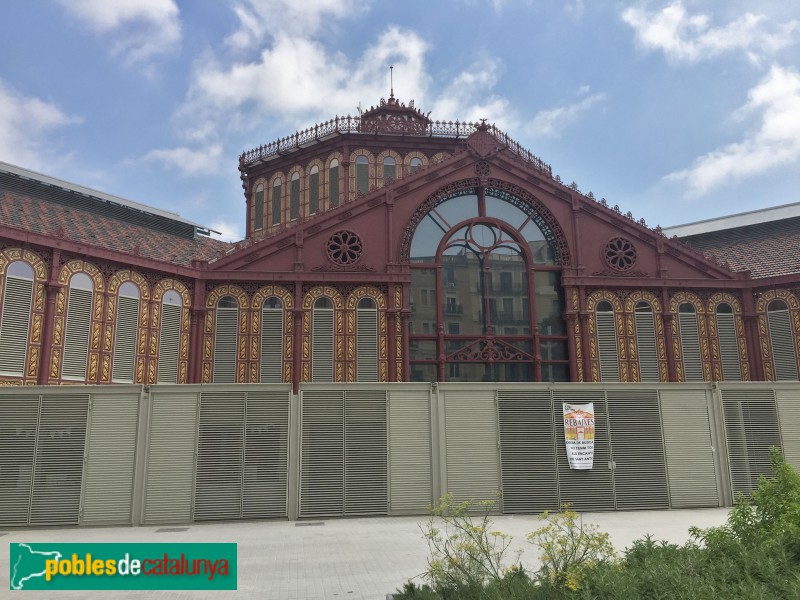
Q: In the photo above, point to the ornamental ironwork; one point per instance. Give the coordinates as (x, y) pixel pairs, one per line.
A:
(620, 254)
(344, 248)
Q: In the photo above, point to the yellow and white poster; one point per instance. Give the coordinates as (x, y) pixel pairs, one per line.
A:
(579, 435)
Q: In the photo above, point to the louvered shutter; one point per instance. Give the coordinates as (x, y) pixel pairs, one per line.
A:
(110, 462)
(266, 455)
(728, 347)
(751, 427)
(789, 413)
(272, 345)
(14, 325)
(783, 350)
(322, 345)
(637, 449)
(607, 346)
(473, 465)
(410, 450)
(125, 340)
(18, 420)
(646, 344)
(366, 484)
(689, 450)
(584, 489)
(690, 345)
(527, 451)
(58, 468)
(76, 335)
(322, 454)
(220, 450)
(170, 457)
(367, 345)
(225, 338)
(169, 340)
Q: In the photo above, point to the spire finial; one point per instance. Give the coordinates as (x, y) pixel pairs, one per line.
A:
(391, 81)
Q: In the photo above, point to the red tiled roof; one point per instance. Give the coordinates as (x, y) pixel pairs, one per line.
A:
(766, 249)
(83, 226)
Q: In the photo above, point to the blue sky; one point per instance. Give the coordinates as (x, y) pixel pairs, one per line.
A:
(675, 110)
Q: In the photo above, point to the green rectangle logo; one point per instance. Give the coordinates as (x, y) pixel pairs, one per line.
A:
(82, 566)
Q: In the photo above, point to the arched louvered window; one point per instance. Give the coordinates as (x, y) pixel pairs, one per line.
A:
(389, 168)
(259, 208)
(728, 343)
(276, 202)
(294, 197)
(322, 341)
(367, 340)
(690, 342)
(169, 339)
(15, 321)
(607, 341)
(362, 174)
(646, 342)
(415, 164)
(78, 327)
(313, 190)
(272, 341)
(225, 339)
(333, 183)
(784, 353)
(125, 333)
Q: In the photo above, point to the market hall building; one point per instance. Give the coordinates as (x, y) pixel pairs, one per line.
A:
(387, 247)
(412, 304)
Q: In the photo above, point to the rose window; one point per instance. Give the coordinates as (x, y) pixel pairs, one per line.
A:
(620, 254)
(344, 248)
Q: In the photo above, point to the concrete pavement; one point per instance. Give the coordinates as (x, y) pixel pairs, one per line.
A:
(335, 559)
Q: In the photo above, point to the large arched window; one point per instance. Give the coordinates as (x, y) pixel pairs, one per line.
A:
(607, 347)
(486, 293)
(294, 197)
(389, 169)
(728, 342)
(276, 202)
(225, 340)
(169, 337)
(415, 164)
(78, 327)
(258, 218)
(367, 340)
(782, 341)
(322, 330)
(333, 183)
(690, 342)
(125, 333)
(362, 174)
(646, 341)
(271, 366)
(313, 190)
(15, 321)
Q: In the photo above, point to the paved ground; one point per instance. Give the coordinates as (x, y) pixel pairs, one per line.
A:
(335, 559)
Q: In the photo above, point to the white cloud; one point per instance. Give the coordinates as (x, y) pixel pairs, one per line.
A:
(25, 123)
(228, 232)
(141, 29)
(189, 162)
(552, 122)
(775, 143)
(691, 37)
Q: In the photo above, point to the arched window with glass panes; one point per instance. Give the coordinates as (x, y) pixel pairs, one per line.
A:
(728, 342)
(78, 327)
(690, 342)
(15, 320)
(225, 340)
(125, 333)
(322, 345)
(276, 201)
(271, 365)
(169, 337)
(485, 276)
(781, 337)
(362, 174)
(607, 346)
(333, 183)
(389, 169)
(367, 340)
(294, 197)
(258, 210)
(313, 190)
